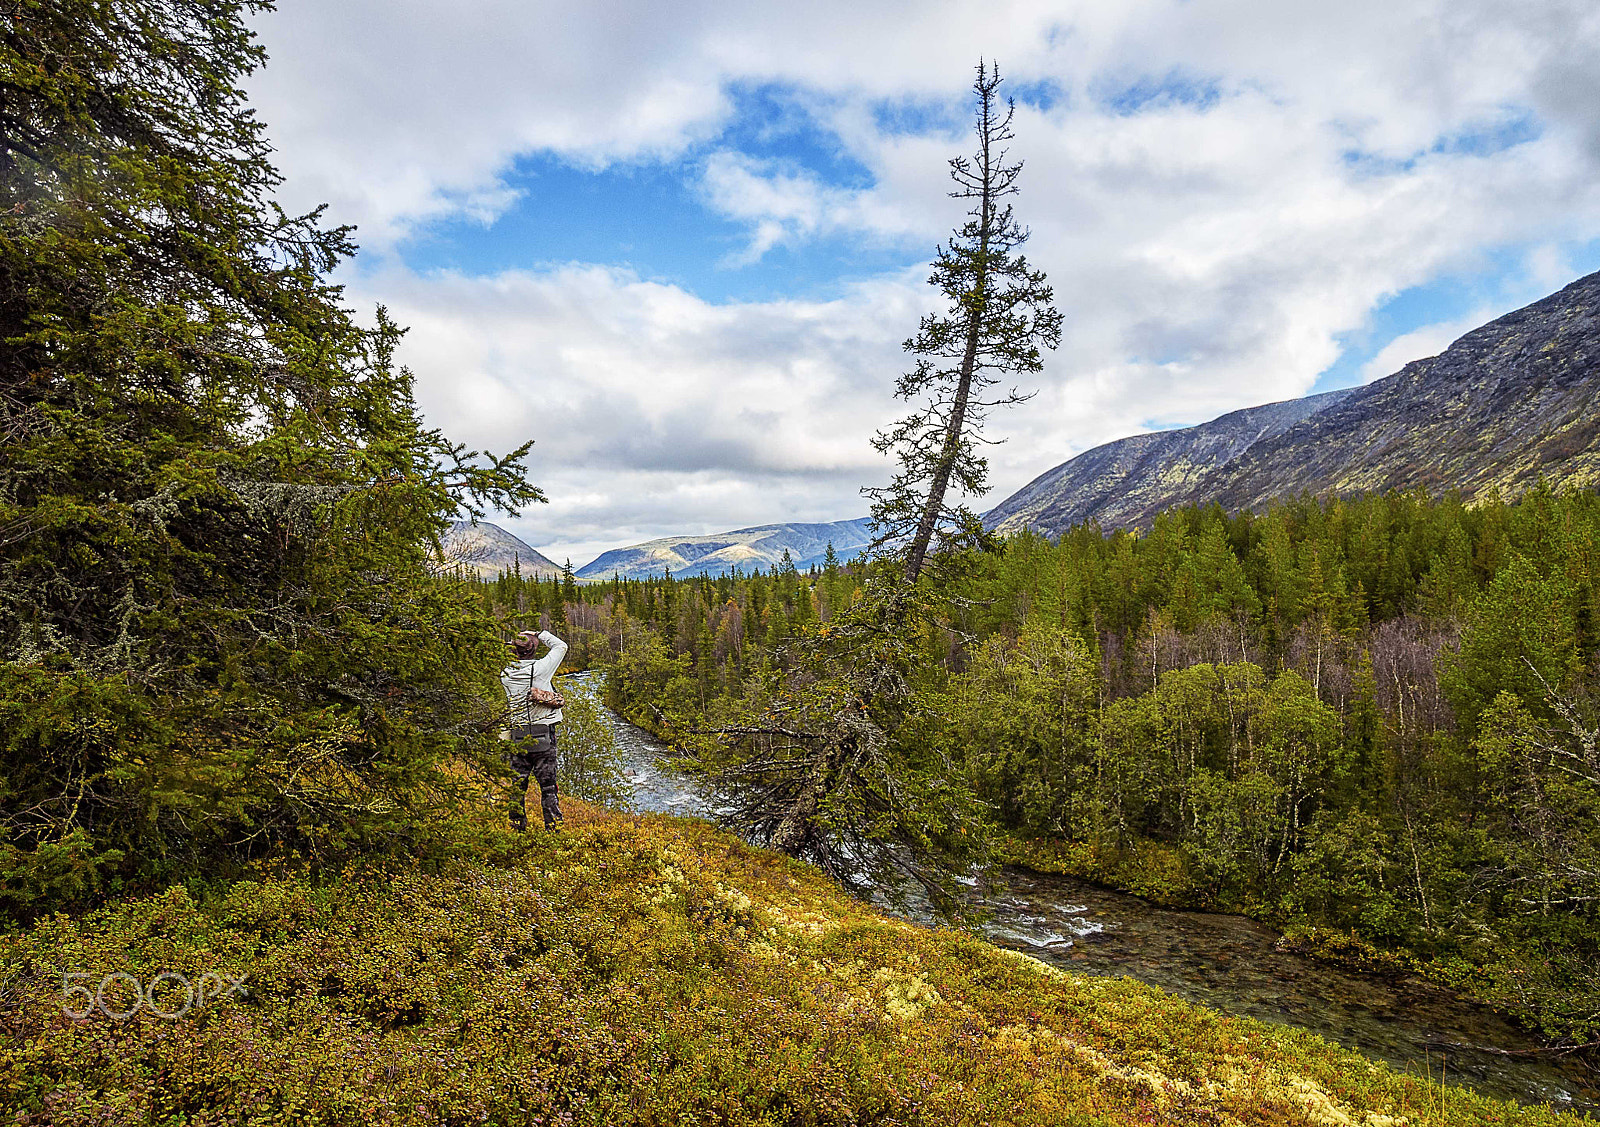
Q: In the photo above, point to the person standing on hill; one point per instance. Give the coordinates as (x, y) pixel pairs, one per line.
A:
(535, 712)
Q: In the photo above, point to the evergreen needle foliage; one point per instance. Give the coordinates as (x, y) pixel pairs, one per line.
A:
(820, 768)
(1372, 720)
(999, 316)
(218, 504)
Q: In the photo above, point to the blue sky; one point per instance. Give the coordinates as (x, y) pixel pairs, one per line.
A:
(653, 216)
(654, 221)
(679, 245)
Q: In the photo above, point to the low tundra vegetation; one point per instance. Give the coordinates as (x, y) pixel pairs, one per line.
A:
(634, 970)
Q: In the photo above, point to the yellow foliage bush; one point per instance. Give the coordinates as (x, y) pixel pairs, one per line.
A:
(636, 970)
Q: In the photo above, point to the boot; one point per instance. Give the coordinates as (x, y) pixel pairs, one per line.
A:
(552, 809)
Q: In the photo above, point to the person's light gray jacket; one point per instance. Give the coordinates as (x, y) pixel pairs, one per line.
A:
(519, 675)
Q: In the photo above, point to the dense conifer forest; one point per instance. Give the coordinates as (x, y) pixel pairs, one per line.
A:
(1371, 719)
(255, 859)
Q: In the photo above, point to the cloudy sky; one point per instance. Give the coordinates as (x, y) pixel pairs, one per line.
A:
(678, 244)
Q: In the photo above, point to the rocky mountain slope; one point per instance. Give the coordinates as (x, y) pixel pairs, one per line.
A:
(1126, 481)
(744, 548)
(1514, 400)
(487, 549)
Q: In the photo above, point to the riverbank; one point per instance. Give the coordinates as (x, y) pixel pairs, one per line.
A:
(636, 969)
(1239, 966)
(1157, 875)
(1498, 1051)
(1230, 963)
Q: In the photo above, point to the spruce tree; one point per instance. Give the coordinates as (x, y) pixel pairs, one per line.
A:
(830, 766)
(219, 508)
(831, 761)
(999, 316)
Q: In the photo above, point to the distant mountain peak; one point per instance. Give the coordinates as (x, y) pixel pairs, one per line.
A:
(761, 546)
(485, 550)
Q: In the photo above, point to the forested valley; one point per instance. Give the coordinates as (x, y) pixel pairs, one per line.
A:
(1370, 720)
(257, 854)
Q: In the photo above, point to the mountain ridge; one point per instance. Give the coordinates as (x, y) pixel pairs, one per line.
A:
(1174, 454)
(1507, 404)
(760, 546)
(486, 550)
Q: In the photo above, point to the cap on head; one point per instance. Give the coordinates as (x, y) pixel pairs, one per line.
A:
(525, 644)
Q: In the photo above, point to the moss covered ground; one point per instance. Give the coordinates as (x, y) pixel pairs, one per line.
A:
(631, 970)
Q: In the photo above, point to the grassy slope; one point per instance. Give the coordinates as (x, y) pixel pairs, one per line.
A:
(646, 971)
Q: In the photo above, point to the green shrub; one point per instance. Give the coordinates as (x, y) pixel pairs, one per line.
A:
(590, 766)
(634, 971)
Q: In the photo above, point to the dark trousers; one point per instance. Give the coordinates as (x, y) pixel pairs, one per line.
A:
(533, 753)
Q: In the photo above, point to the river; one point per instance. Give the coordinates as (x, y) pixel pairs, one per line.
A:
(1228, 963)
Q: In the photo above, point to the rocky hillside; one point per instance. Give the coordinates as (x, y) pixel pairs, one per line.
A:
(744, 548)
(1506, 404)
(1127, 481)
(488, 549)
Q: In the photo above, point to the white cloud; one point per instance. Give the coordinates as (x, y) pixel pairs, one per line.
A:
(401, 111)
(788, 206)
(1419, 344)
(1222, 191)
(652, 410)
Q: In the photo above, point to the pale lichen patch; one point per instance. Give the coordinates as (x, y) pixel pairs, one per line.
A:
(906, 996)
(1228, 1085)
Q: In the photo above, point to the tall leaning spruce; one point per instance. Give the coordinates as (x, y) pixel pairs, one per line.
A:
(218, 626)
(999, 314)
(829, 767)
